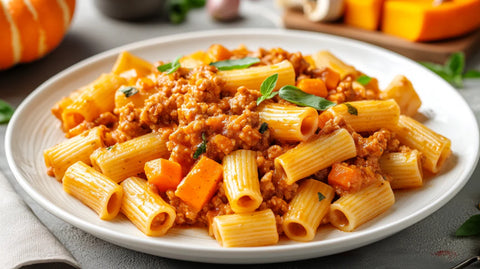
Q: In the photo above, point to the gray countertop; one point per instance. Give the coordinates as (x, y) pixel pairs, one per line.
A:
(429, 243)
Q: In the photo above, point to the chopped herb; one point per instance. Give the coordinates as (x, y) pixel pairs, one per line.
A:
(128, 91)
(320, 196)
(364, 80)
(301, 98)
(453, 69)
(6, 112)
(171, 66)
(109, 147)
(266, 89)
(470, 227)
(263, 127)
(351, 109)
(202, 148)
(236, 63)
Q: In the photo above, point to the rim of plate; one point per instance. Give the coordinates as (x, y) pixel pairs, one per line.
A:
(204, 253)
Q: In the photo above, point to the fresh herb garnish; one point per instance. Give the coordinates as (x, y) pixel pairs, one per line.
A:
(301, 98)
(470, 227)
(235, 63)
(202, 148)
(178, 9)
(320, 196)
(453, 69)
(109, 147)
(171, 66)
(6, 112)
(263, 128)
(364, 79)
(128, 91)
(266, 89)
(351, 109)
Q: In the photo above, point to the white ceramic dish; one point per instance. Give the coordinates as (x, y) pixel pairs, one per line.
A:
(34, 129)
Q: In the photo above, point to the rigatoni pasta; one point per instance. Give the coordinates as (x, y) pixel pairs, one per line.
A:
(223, 139)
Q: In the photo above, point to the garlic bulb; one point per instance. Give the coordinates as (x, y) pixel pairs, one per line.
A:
(323, 10)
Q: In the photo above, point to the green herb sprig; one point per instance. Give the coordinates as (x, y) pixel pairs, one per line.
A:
(301, 98)
(453, 71)
(202, 148)
(266, 89)
(178, 9)
(351, 109)
(171, 66)
(470, 227)
(6, 112)
(235, 63)
(320, 196)
(263, 127)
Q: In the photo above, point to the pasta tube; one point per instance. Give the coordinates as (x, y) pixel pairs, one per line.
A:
(128, 158)
(240, 180)
(434, 147)
(402, 91)
(253, 77)
(311, 156)
(325, 58)
(94, 189)
(306, 210)
(289, 123)
(246, 229)
(354, 209)
(146, 209)
(59, 157)
(368, 115)
(93, 100)
(405, 168)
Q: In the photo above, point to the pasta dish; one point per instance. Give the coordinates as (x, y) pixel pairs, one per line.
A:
(252, 145)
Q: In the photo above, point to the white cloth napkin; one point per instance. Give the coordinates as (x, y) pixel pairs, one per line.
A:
(24, 240)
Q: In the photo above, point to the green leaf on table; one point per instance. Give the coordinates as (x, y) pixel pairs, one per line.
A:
(453, 70)
(266, 89)
(235, 63)
(470, 227)
(171, 66)
(301, 98)
(472, 74)
(6, 112)
(178, 9)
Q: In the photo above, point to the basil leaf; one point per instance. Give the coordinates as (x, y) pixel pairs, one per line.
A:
(266, 89)
(301, 98)
(455, 64)
(236, 63)
(351, 109)
(263, 128)
(128, 91)
(6, 112)
(320, 196)
(470, 227)
(171, 66)
(202, 148)
(364, 80)
(472, 74)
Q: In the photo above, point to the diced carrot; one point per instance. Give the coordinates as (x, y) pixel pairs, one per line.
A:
(344, 177)
(313, 86)
(200, 184)
(331, 78)
(217, 52)
(324, 117)
(164, 174)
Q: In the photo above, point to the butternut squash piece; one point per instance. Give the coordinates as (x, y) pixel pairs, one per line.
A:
(364, 14)
(200, 184)
(423, 21)
(163, 173)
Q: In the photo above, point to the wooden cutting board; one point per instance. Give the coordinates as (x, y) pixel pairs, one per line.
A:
(437, 51)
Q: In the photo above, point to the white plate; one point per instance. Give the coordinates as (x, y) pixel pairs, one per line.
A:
(33, 129)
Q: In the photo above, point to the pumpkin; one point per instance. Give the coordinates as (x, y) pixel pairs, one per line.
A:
(32, 28)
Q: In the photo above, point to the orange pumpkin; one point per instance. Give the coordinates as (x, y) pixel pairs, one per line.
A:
(30, 29)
